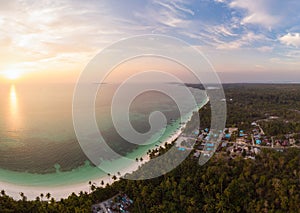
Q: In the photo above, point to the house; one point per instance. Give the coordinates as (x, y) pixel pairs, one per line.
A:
(210, 144)
(250, 157)
(257, 136)
(285, 143)
(206, 154)
(231, 130)
(292, 141)
(246, 148)
(227, 136)
(224, 144)
(240, 140)
(197, 154)
(256, 150)
(258, 141)
(241, 134)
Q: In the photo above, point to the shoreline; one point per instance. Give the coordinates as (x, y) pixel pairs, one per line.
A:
(58, 192)
(63, 191)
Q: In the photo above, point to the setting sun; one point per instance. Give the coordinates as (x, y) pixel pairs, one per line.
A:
(12, 74)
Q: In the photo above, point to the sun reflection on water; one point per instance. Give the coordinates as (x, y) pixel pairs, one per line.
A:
(14, 109)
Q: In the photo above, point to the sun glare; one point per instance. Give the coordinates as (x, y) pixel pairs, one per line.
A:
(12, 74)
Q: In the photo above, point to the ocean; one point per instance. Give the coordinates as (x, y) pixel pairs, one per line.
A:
(38, 145)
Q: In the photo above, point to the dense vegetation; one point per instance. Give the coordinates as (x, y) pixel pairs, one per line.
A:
(271, 183)
(258, 102)
(255, 102)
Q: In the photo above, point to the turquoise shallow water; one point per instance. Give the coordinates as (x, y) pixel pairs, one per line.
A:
(81, 174)
(38, 146)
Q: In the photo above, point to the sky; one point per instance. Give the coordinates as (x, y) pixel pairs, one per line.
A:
(245, 40)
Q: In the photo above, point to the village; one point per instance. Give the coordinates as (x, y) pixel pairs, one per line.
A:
(235, 142)
(118, 203)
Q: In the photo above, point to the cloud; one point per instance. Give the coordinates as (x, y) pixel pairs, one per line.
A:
(224, 30)
(219, 1)
(245, 40)
(265, 49)
(165, 16)
(70, 32)
(42, 31)
(291, 39)
(257, 12)
(182, 8)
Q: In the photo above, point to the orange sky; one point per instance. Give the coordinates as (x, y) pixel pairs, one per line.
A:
(53, 41)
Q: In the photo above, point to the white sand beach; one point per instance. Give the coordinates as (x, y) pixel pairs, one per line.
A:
(58, 192)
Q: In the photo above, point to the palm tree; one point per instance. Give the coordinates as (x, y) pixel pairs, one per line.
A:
(90, 183)
(2, 192)
(114, 177)
(108, 177)
(42, 195)
(102, 182)
(24, 198)
(93, 187)
(52, 200)
(48, 195)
